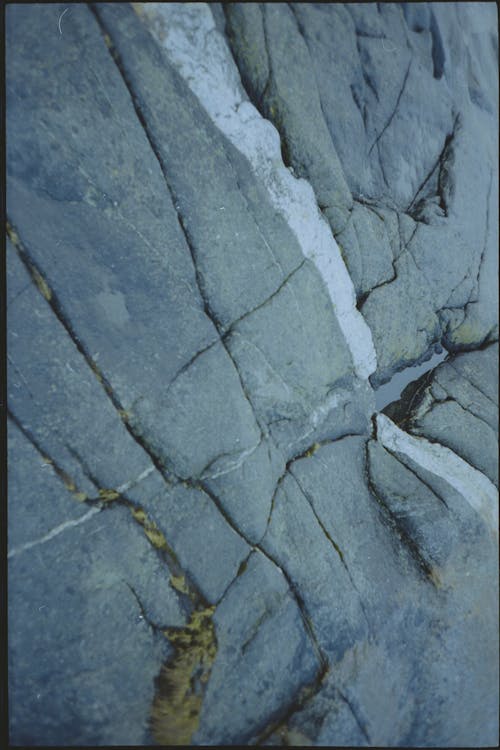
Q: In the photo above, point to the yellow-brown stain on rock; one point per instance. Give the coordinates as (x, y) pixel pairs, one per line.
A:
(177, 705)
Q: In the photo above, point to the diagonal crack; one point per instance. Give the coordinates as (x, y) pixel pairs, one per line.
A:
(52, 299)
(335, 546)
(474, 385)
(435, 166)
(154, 147)
(389, 121)
(357, 719)
(417, 476)
(423, 566)
(266, 301)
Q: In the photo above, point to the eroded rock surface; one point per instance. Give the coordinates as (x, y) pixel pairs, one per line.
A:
(226, 225)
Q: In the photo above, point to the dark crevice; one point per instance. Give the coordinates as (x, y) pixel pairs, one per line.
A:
(323, 528)
(389, 121)
(474, 385)
(52, 299)
(59, 471)
(400, 411)
(418, 477)
(306, 619)
(438, 54)
(392, 521)
(358, 721)
(188, 364)
(285, 281)
(335, 546)
(210, 313)
(416, 204)
(364, 296)
(485, 242)
(305, 694)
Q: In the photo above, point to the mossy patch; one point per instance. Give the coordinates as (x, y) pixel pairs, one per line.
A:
(41, 284)
(108, 495)
(151, 530)
(176, 709)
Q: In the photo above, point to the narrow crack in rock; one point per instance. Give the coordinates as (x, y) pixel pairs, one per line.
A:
(289, 196)
(335, 546)
(209, 312)
(391, 117)
(424, 567)
(437, 166)
(58, 311)
(471, 484)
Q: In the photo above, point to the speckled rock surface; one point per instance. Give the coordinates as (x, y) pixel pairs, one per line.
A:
(227, 225)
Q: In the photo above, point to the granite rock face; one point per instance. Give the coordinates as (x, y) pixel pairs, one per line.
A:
(397, 107)
(228, 224)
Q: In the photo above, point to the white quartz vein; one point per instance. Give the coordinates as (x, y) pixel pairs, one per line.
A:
(473, 486)
(200, 53)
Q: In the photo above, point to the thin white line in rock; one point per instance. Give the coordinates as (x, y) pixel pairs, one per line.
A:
(195, 47)
(54, 532)
(474, 486)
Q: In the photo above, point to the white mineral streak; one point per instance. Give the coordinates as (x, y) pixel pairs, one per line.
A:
(188, 34)
(55, 532)
(473, 486)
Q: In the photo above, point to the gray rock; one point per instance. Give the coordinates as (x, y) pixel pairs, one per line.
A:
(372, 68)
(207, 548)
(213, 537)
(27, 523)
(56, 396)
(220, 223)
(456, 406)
(83, 656)
(370, 255)
(246, 488)
(285, 385)
(264, 656)
(287, 89)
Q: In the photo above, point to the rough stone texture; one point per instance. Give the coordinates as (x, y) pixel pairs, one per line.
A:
(355, 77)
(77, 629)
(213, 536)
(257, 671)
(456, 406)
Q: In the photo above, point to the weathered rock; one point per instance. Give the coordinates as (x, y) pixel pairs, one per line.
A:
(83, 656)
(371, 69)
(456, 406)
(212, 536)
(264, 658)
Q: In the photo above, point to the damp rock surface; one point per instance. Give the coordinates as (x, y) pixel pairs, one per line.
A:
(228, 225)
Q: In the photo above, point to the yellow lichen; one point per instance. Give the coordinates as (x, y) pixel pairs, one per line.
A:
(151, 530)
(107, 495)
(179, 584)
(177, 705)
(41, 284)
(312, 450)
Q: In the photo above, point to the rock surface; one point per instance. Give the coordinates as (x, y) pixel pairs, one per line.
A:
(227, 225)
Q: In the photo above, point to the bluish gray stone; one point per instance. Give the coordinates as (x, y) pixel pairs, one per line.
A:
(264, 656)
